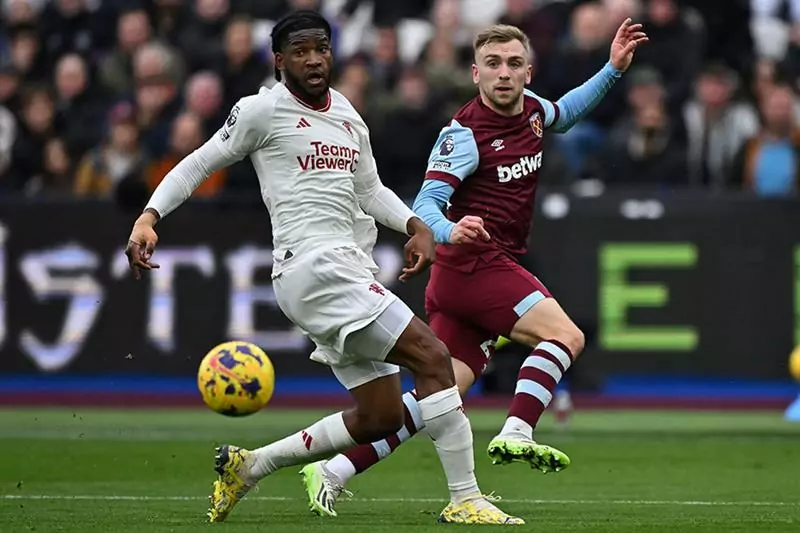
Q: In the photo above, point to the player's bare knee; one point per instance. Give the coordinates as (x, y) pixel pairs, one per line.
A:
(425, 356)
(377, 424)
(389, 423)
(435, 362)
(463, 374)
(574, 339)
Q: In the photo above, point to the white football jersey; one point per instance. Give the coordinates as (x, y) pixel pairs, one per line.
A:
(364, 227)
(311, 166)
(366, 235)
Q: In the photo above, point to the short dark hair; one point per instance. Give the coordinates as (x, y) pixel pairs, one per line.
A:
(298, 20)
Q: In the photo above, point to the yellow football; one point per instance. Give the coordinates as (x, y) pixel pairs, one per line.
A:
(236, 378)
(794, 364)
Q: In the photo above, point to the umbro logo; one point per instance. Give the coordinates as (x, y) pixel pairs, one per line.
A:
(498, 145)
(303, 123)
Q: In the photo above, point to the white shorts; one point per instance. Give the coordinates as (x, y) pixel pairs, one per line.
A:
(367, 348)
(332, 295)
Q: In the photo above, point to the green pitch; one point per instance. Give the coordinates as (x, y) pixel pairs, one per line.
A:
(124, 471)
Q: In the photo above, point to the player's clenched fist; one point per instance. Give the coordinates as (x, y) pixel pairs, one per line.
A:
(469, 229)
(141, 244)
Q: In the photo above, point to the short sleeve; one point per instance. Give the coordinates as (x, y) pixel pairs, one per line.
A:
(550, 108)
(454, 156)
(247, 127)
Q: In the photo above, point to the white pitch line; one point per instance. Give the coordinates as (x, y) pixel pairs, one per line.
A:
(101, 497)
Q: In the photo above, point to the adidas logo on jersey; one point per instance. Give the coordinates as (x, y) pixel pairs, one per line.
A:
(525, 166)
(303, 123)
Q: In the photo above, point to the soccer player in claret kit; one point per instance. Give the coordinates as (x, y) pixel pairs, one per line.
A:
(485, 165)
(312, 154)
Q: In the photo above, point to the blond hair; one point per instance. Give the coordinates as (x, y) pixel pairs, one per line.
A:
(501, 33)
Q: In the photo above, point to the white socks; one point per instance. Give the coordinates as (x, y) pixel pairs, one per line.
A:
(451, 433)
(321, 439)
(341, 467)
(356, 460)
(517, 427)
(444, 421)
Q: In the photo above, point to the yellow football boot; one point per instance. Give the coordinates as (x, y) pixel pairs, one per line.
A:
(233, 466)
(476, 512)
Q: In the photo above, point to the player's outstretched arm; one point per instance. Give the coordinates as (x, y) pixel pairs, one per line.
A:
(579, 102)
(229, 145)
(174, 189)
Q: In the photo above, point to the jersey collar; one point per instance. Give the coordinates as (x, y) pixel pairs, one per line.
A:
(321, 107)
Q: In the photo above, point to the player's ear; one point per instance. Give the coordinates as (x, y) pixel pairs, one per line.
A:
(475, 74)
(528, 74)
(278, 61)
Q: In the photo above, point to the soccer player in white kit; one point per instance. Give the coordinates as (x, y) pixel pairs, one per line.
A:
(312, 154)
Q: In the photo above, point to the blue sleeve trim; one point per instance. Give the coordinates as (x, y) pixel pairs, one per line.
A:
(430, 205)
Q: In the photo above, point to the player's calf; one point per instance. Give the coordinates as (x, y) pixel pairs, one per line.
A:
(440, 405)
(359, 459)
(556, 342)
(378, 412)
(325, 481)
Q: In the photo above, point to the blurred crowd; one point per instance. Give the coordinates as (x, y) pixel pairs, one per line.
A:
(100, 98)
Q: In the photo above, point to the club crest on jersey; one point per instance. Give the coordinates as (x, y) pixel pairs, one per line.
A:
(447, 145)
(536, 124)
(348, 127)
